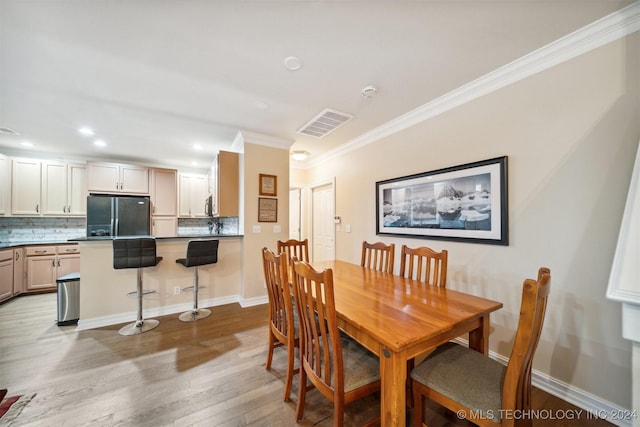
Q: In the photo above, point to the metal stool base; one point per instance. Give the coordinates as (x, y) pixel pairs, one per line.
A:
(138, 327)
(193, 315)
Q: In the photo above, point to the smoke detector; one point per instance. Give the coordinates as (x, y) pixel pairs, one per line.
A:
(369, 91)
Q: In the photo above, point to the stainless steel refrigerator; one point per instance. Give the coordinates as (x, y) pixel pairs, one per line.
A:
(109, 215)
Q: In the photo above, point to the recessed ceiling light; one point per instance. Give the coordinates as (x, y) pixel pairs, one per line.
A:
(86, 131)
(292, 63)
(197, 147)
(300, 155)
(26, 144)
(99, 143)
(261, 105)
(194, 163)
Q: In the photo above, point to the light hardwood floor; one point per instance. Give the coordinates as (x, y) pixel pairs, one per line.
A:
(205, 373)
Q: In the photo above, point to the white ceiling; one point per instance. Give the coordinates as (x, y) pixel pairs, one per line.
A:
(155, 77)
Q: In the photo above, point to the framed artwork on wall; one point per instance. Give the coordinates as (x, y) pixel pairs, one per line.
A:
(464, 203)
(267, 210)
(268, 185)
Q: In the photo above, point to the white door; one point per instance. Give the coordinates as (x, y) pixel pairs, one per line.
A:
(322, 223)
(294, 214)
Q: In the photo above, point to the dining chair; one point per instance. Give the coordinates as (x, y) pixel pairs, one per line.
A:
(378, 256)
(430, 267)
(340, 368)
(477, 387)
(283, 328)
(424, 265)
(294, 248)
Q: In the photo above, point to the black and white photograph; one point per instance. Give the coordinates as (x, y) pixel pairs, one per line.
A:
(465, 202)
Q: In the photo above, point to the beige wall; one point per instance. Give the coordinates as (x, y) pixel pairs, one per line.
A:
(570, 134)
(272, 161)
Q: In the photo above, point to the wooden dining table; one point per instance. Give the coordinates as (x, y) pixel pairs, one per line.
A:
(398, 318)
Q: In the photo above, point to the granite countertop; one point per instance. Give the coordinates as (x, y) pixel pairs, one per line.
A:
(5, 245)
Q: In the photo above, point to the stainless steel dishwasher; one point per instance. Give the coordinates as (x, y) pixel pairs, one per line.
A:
(68, 298)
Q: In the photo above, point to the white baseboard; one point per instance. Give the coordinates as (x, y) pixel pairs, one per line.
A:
(130, 316)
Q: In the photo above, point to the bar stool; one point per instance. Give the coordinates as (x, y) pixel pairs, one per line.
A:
(199, 252)
(136, 252)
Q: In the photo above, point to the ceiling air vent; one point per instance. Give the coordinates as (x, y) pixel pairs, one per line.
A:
(324, 123)
(8, 131)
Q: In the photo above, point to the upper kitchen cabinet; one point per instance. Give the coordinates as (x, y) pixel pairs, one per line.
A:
(164, 202)
(5, 179)
(117, 178)
(193, 191)
(64, 189)
(164, 192)
(25, 186)
(224, 181)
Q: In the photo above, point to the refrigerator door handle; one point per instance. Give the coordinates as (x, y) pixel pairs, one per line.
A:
(116, 231)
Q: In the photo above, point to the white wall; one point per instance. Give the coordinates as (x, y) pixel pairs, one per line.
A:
(570, 134)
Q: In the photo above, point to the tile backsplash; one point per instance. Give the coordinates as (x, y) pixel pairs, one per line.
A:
(34, 229)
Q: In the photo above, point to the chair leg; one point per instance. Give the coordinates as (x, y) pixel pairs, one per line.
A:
(291, 352)
(302, 392)
(140, 325)
(270, 349)
(196, 313)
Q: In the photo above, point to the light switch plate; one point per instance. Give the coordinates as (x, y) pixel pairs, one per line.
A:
(347, 228)
(277, 229)
(257, 229)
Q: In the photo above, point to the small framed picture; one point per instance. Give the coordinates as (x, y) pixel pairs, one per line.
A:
(268, 185)
(267, 210)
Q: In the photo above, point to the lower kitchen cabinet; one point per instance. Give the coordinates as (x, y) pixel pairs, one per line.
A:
(6, 274)
(46, 263)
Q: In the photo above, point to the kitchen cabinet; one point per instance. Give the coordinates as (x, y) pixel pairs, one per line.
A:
(46, 263)
(164, 192)
(19, 270)
(63, 189)
(25, 186)
(224, 180)
(193, 190)
(6, 274)
(5, 179)
(164, 226)
(163, 188)
(117, 178)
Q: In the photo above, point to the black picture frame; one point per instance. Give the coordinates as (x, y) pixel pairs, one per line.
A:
(466, 203)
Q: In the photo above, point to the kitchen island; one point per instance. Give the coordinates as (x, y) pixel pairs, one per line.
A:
(103, 290)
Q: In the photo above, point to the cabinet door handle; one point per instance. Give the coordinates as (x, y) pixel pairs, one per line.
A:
(58, 262)
(53, 263)
(71, 250)
(38, 208)
(41, 251)
(17, 256)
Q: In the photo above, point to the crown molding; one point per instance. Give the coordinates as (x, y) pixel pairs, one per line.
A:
(261, 139)
(605, 30)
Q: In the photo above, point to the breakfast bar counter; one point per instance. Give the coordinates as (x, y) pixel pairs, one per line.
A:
(103, 289)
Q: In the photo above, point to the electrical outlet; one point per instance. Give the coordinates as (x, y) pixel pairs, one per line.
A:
(176, 290)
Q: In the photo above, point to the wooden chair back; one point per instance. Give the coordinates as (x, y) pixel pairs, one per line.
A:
(424, 265)
(298, 249)
(281, 317)
(320, 342)
(516, 388)
(378, 256)
(320, 349)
